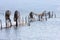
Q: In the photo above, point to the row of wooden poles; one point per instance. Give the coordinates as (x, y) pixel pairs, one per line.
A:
(20, 20)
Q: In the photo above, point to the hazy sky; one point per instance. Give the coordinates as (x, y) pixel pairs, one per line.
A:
(29, 4)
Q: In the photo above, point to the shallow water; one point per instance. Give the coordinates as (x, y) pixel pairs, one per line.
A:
(47, 30)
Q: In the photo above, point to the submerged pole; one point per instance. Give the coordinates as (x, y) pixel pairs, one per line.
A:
(1, 24)
(39, 18)
(28, 22)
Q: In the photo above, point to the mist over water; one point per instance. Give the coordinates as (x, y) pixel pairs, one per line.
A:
(26, 6)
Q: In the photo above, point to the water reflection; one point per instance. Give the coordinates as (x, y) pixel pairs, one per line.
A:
(10, 34)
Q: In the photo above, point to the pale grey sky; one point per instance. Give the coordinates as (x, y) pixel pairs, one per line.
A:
(29, 4)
